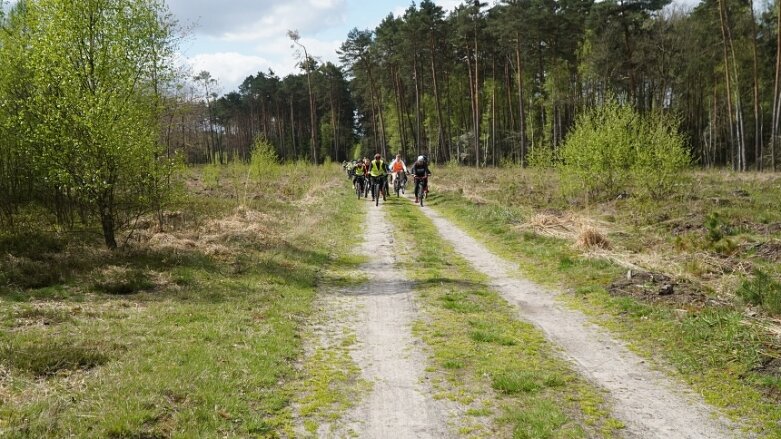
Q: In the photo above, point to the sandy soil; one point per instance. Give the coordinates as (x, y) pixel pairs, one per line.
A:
(650, 404)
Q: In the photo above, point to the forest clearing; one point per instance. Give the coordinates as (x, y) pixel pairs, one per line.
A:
(236, 320)
(588, 244)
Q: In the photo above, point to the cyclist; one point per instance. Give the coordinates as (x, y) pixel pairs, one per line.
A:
(359, 170)
(420, 171)
(378, 172)
(396, 166)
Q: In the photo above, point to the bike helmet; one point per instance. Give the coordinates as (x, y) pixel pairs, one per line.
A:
(377, 156)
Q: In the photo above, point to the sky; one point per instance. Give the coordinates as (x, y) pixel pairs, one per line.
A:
(232, 39)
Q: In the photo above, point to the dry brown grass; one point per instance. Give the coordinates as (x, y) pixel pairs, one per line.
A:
(213, 237)
(551, 225)
(590, 237)
(568, 226)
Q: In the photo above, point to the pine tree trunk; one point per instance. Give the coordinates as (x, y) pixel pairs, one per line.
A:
(521, 115)
(442, 140)
(734, 153)
(397, 102)
(472, 102)
(493, 113)
(293, 129)
(776, 97)
(477, 103)
(758, 142)
(418, 122)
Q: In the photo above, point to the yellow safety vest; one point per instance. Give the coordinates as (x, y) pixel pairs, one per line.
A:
(378, 168)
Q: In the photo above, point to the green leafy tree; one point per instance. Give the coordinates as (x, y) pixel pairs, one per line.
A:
(90, 122)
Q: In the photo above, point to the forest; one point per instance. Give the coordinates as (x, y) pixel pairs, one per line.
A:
(492, 84)
(483, 85)
(99, 135)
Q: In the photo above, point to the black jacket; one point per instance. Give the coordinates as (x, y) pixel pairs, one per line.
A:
(420, 169)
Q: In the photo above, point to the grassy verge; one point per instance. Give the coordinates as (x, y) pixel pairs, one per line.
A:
(189, 331)
(711, 345)
(512, 381)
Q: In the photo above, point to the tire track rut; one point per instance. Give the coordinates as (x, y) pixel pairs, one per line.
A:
(650, 404)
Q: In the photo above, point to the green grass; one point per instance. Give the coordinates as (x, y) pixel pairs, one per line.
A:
(501, 369)
(713, 348)
(169, 338)
(761, 290)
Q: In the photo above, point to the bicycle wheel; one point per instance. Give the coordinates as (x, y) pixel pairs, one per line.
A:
(358, 188)
(376, 193)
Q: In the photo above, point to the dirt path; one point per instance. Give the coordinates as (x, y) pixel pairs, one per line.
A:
(649, 403)
(399, 404)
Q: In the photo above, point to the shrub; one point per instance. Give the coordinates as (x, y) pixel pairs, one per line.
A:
(613, 149)
(597, 155)
(659, 157)
(715, 227)
(716, 235)
(763, 291)
(264, 163)
(542, 157)
(590, 237)
(211, 176)
(122, 281)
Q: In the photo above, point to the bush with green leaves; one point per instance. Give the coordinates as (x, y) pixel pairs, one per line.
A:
(210, 175)
(83, 94)
(264, 162)
(762, 290)
(262, 168)
(613, 149)
(659, 156)
(542, 157)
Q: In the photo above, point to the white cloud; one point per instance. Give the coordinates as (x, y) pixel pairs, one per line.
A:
(244, 20)
(229, 68)
(449, 5)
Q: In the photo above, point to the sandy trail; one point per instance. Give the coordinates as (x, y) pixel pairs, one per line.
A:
(649, 403)
(400, 403)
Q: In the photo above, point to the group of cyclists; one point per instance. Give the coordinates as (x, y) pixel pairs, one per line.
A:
(372, 176)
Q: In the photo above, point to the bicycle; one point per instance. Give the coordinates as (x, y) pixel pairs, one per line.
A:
(421, 188)
(359, 184)
(379, 186)
(400, 184)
